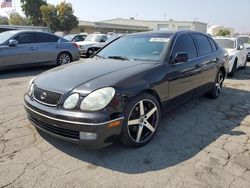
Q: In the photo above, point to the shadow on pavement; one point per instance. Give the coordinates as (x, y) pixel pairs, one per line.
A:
(18, 73)
(183, 133)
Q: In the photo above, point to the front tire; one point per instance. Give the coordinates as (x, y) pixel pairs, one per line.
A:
(142, 116)
(217, 88)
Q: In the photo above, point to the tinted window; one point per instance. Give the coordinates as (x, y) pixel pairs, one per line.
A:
(43, 37)
(26, 38)
(185, 44)
(214, 47)
(203, 44)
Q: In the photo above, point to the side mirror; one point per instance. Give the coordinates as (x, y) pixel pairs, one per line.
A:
(13, 43)
(102, 40)
(181, 57)
(241, 47)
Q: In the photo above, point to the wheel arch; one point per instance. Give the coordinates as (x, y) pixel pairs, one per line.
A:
(65, 51)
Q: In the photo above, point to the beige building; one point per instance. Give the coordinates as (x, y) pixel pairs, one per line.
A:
(120, 25)
(161, 25)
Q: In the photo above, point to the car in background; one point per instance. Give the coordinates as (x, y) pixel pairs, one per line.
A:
(94, 48)
(90, 40)
(236, 50)
(75, 37)
(246, 41)
(121, 92)
(22, 48)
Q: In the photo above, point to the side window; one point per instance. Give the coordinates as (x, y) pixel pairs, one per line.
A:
(214, 47)
(185, 44)
(44, 38)
(203, 44)
(26, 38)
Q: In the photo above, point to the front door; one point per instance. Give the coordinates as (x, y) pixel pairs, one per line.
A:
(184, 76)
(24, 53)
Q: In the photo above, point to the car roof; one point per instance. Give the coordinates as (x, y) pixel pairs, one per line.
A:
(228, 38)
(164, 33)
(23, 31)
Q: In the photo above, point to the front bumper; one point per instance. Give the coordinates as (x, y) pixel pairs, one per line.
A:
(82, 51)
(69, 126)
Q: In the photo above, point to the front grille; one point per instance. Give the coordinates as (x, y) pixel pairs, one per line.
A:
(56, 130)
(47, 97)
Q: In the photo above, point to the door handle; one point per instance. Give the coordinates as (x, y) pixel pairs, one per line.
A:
(58, 46)
(32, 48)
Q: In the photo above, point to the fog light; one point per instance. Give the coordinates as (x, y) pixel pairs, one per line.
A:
(87, 136)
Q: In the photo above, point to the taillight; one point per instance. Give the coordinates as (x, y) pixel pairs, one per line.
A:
(75, 45)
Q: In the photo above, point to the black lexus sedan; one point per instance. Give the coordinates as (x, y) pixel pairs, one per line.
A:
(121, 92)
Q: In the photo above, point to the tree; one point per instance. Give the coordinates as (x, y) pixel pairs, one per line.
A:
(223, 32)
(4, 20)
(66, 16)
(60, 17)
(31, 9)
(17, 19)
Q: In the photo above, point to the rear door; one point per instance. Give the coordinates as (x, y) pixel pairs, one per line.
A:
(184, 76)
(208, 58)
(48, 47)
(24, 53)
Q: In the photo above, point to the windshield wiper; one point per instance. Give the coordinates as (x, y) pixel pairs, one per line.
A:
(119, 57)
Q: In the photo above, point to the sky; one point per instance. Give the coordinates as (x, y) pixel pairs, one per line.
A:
(229, 13)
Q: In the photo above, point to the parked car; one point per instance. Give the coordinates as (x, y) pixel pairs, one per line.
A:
(21, 48)
(90, 40)
(246, 42)
(94, 48)
(237, 53)
(121, 92)
(75, 37)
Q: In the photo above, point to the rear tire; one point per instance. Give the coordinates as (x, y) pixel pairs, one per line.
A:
(217, 88)
(142, 116)
(63, 58)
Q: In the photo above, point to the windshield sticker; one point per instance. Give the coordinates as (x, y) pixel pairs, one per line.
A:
(159, 40)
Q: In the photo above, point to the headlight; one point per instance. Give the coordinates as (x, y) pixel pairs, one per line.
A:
(31, 89)
(71, 101)
(31, 86)
(98, 100)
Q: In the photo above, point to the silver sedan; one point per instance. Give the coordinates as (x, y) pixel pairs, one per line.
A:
(22, 48)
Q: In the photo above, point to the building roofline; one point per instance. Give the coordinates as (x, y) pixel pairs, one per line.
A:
(151, 20)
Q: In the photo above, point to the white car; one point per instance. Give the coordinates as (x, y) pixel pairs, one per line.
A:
(236, 50)
(90, 40)
(246, 40)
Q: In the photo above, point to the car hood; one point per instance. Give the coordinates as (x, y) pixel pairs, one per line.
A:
(230, 51)
(86, 43)
(68, 77)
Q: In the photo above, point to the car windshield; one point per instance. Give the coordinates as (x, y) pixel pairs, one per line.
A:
(6, 35)
(244, 39)
(226, 43)
(69, 37)
(137, 47)
(93, 38)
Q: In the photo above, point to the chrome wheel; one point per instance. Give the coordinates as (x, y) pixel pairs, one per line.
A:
(142, 121)
(218, 83)
(64, 59)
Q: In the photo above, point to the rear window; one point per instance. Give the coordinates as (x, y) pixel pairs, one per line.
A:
(44, 38)
(203, 44)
